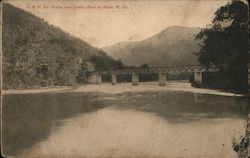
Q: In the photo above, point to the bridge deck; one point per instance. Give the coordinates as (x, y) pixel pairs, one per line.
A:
(168, 69)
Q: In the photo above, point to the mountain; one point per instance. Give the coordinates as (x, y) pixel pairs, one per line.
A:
(34, 51)
(173, 46)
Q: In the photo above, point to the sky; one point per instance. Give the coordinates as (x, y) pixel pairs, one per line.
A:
(104, 23)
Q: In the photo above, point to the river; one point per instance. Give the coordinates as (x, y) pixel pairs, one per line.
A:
(159, 123)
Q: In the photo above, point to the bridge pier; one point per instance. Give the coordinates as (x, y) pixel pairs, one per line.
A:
(91, 78)
(162, 78)
(135, 78)
(198, 78)
(98, 78)
(114, 79)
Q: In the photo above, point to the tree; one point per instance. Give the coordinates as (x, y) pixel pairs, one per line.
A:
(226, 43)
(144, 66)
(118, 64)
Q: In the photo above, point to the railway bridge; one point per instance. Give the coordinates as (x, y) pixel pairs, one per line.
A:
(96, 76)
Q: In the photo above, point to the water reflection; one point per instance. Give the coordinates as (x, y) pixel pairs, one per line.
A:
(128, 133)
(32, 118)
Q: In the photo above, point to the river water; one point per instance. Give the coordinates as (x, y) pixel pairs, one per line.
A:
(170, 124)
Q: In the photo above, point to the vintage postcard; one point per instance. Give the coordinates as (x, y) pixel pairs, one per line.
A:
(125, 79)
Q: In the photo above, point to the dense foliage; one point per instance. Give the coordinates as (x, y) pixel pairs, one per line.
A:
(35, 52)
(226, 43)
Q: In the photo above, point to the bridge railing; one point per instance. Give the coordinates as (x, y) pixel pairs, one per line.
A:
(167, 69)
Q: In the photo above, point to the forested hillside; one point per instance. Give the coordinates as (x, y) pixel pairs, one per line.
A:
(174, 45)
(35, 52)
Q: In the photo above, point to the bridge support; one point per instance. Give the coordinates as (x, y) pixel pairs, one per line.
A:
(162, 78)
(135, 78)
(91, 78)
(98, 78)
(114, 80)
(198, 78)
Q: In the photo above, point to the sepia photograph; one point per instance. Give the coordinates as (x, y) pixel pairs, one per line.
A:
(125, 79)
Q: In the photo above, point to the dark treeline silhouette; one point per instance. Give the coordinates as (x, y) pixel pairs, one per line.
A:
(226, 43)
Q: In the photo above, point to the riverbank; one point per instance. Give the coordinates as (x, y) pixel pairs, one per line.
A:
(54, 89)
(121, 88)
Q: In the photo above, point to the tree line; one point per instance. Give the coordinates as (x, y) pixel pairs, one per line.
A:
(226, 43)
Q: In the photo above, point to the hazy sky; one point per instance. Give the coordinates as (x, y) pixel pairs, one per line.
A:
(132, 21)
